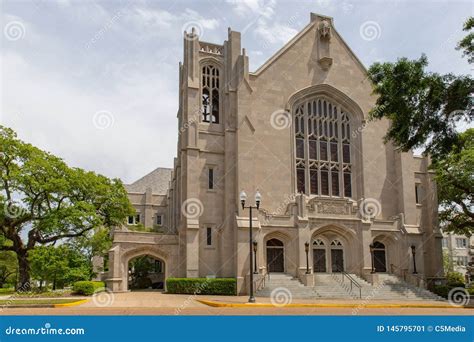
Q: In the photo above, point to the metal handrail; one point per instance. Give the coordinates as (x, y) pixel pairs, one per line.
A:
(353, 281)
(259, 283)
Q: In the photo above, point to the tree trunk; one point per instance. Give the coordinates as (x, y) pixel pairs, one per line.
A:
(24, 271)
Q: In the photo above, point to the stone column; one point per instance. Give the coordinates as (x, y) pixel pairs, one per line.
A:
(192, 249)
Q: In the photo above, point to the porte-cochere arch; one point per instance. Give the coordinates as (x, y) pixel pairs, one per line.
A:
(158, 246)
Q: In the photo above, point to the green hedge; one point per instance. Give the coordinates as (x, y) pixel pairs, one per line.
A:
(443, 290)
(205, 286)
(455, 279)
(87, 287)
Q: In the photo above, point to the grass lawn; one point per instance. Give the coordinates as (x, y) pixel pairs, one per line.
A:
(45, 294)
(5, 292)
(37, 294)
(36, 301)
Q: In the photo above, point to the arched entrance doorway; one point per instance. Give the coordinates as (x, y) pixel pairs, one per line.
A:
(380, 263)
(275, 256)
(337, 256)
(146, 272)
(319, 256)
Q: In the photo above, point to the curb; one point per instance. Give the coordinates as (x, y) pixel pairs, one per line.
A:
(42, 306)
(79, 302)
(310, 305)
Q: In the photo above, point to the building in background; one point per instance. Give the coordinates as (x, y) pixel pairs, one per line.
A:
(458, 251)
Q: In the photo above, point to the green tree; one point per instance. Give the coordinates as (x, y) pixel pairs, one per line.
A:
(425, 109)
(447, 261)
(8, 268)
(48, 263)
(455, 180)
(44, 201)
(59, 266)
(8, 265)
(467, 43)
(94, 243)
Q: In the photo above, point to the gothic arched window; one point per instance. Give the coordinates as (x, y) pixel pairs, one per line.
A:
(210, 94)
(322, 149)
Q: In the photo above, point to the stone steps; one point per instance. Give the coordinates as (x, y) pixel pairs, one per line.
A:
(333, 285)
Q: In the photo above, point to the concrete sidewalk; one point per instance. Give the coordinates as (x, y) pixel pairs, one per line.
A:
(142, 299)
(155, 299)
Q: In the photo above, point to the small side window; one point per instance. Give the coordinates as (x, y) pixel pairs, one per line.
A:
(418, 193)
(210, 178)
(209, 236)
(134, 220)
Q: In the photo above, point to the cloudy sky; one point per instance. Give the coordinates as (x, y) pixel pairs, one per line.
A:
(95, 82)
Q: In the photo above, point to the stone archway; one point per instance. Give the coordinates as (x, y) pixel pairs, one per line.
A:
(276, 252)
(146, 272)
(150, 251)
(333, 249)
(386, 247)
(380, 260)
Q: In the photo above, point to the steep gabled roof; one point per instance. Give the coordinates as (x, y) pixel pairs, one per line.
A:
(299, 35)
(158, 180)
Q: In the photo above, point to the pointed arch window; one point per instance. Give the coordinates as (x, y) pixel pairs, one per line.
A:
(318, 242)
(210, 92)
(322, 148)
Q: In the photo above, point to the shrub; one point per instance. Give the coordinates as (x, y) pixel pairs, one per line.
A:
(87, 288)
(455, 279)
(205, 286)
(143, 283)
(441, 290)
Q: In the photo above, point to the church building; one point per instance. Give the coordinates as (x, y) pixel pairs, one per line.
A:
(334, 197)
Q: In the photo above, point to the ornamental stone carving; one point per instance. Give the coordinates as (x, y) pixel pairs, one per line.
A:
(325, 30)
(331, 206)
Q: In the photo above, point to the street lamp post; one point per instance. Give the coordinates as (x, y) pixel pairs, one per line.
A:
(255, 244)
(243, 198)
(306, 249)
(371, 246)
(413, 253)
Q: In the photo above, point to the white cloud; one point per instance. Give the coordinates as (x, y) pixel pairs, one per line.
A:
(158, 22)
(152, 18)
(190, 15)
(274, 33)
(245, 8)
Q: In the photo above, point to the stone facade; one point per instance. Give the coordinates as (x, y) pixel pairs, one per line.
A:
(254, 139)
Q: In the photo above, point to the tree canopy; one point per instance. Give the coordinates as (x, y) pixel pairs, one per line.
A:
(58, 265)
(423, 107)
(45, 200)
(426, 110)
(454, 176)
(467, 43)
